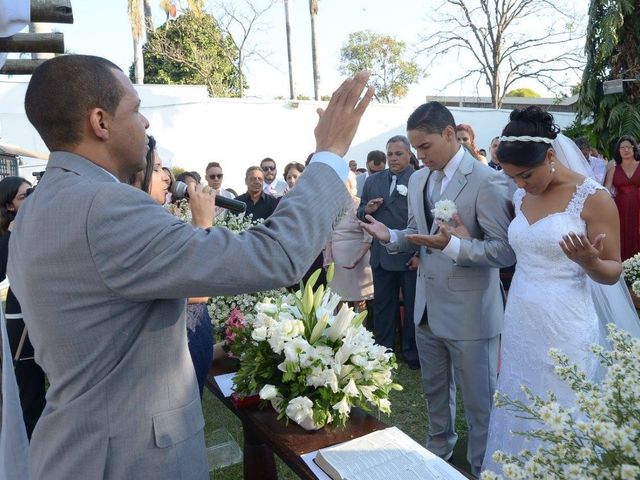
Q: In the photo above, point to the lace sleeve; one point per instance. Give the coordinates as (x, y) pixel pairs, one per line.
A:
(518, 195)
(583, 191)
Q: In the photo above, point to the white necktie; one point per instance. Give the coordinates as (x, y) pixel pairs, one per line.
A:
(393, 184)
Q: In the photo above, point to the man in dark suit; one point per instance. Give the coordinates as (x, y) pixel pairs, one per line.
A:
(376, 162)
(384, 196)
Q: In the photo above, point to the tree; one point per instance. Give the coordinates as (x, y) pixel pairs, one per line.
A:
(313, 11)
(192, 50)
(290, 60)
(522, 92)
(134, 10)
(382, 55)
(491, 33)
(613, 52)
(239, 24)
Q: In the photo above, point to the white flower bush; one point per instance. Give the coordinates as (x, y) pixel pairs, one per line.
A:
(311, 364)
(444, 210)
(598, 440)
(631, 267)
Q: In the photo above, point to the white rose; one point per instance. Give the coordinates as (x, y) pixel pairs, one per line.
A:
(268, 392)
(259, 334)
(402, 190)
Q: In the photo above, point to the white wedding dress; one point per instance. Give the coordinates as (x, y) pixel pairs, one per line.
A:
(549, 306)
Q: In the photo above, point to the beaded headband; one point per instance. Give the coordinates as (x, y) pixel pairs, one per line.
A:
(526, 138)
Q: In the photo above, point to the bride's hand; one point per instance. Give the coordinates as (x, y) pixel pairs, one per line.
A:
(579, 249)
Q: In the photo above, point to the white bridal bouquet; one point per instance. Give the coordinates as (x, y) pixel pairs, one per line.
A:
(599, 440)
(311, 364)
(444, 210)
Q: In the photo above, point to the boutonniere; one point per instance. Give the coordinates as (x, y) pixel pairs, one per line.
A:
(402, 190)
(444, 210)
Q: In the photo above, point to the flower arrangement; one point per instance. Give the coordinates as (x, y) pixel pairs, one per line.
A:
(444, 210)
(311, 364)
(599, 441)
(631, 268)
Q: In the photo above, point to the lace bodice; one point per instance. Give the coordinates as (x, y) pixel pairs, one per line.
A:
(536, 244)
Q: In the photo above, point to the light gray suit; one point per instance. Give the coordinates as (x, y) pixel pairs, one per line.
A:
(459, 305)
(102, 272)
(360, 179)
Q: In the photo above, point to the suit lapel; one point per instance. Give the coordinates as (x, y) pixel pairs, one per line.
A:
(457, 183)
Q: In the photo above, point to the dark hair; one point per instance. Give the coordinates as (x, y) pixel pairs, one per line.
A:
(297, 165)
(308, 160)
(148, 171)
(413, 160)
(267, 159)
(9, 187)
(181, 177)
(626, 138)
(377, 157)
(211, 165)
(531, 121)
(172, 177)
(431, 117)
(252, 169)
(582, 143)
(61, 92)
(401, 139)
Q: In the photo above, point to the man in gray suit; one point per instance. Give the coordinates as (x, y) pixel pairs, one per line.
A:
(459, 308)
(385, 198)
(102, 272)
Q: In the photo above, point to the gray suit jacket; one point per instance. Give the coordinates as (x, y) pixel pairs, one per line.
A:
(360, 179)
(101, 272)
(463, 298)
(393, 213)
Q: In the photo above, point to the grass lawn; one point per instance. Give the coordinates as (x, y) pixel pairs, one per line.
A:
(408, 413)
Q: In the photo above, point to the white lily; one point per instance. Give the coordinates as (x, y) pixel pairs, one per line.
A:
(340, 323)
(318, 330)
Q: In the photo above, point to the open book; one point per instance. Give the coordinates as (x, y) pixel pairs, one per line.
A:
(384, 455)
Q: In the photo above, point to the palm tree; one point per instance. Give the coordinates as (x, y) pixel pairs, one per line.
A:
(288, 28)
(313, 10)
(134, 10)
(613, 52)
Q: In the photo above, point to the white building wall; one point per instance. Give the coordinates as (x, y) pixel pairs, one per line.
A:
(193, 129)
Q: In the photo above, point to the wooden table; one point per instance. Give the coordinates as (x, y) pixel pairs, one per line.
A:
(264, 435)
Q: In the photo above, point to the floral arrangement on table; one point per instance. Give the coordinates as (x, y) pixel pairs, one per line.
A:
(444, 210)
(311, 364)
(631, 267)
(601, 440)
(220, 308)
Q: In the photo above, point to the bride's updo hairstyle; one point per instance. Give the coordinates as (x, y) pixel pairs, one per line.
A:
(530, 122)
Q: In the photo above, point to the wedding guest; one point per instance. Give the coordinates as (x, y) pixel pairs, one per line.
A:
(459, 304)
(272, 185)
(467, 137)
(259, 204)
(353, 166)
(199, 327)
(103, 295)
(384, 197)
(598, 165)
(29, 375)
(623, 182)
(214, 175)
(376, 162)
(494, 162)
(349, 250)
(189, 177)
(291, 173)
(172, 180)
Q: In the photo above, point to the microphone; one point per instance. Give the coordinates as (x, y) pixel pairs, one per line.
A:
(179, 190)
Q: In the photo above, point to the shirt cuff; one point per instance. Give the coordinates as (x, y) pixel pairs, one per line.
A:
(452, 250)
(393, 237)
(334, 161)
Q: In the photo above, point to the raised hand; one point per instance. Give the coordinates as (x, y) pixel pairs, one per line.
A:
(579, 248)
(376, 229)
(439, 240)
(339, 122)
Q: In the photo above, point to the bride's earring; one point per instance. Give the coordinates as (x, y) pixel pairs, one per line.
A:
(553, 167)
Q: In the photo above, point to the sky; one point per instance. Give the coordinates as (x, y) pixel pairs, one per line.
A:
(102, 28)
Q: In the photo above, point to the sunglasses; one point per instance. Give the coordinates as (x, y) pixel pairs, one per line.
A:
(215, 177)
(268, 169)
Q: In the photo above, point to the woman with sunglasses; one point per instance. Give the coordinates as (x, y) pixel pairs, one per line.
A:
(623, 181)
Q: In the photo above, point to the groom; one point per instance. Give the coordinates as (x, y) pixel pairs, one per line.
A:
(458, 307)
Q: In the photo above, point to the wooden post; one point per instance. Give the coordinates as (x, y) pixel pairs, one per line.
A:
(33, 42)
(51, 11)
(19, 67)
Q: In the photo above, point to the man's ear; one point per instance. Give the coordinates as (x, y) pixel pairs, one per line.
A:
(449, 132)
(100, 123)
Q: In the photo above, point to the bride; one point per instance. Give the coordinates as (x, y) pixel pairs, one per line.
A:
(566, 237)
